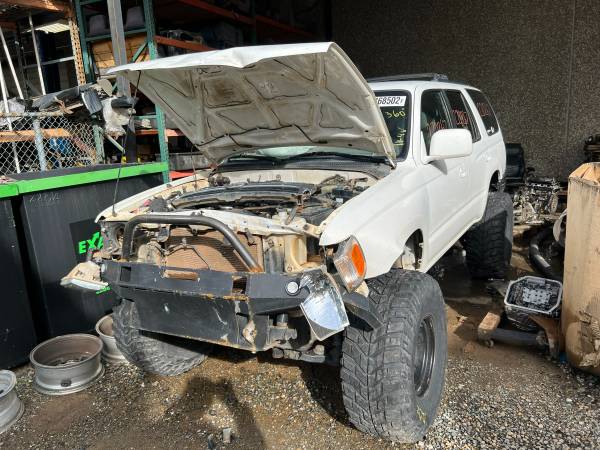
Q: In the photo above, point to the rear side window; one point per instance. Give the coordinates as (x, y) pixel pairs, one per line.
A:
(434, 115)
(461, 113)
(485, 111)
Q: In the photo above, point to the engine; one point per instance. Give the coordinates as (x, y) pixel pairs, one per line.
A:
(258, 212)
(268, 199)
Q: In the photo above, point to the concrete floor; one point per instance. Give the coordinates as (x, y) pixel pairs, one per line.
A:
(500, 397)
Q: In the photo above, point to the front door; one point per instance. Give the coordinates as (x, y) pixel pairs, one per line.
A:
(446, 180)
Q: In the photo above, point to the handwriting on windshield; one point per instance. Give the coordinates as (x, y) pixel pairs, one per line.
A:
(394, 113)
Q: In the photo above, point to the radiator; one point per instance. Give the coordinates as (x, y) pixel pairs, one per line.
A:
(208, 250)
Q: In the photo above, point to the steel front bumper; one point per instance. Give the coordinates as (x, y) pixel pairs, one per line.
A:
(231, 309)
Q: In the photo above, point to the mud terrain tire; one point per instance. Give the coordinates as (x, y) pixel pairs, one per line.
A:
(152, 352)
(489, 242)
(392, 382)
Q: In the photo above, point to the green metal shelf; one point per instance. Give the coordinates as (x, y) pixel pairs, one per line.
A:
(101, 37)
(150, 43)
(258, 25)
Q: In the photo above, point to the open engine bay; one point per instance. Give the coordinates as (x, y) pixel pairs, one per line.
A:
(278, 222)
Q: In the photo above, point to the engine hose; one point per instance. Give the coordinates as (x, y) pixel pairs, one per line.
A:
(536, 258)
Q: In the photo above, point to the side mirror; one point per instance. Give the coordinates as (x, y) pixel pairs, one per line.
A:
(446, 144)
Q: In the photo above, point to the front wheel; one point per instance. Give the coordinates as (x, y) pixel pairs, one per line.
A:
(393, 377)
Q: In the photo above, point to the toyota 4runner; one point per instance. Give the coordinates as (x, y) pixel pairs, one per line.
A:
(327, 201)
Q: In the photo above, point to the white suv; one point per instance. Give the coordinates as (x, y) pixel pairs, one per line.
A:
(327, 201)
(447, 175)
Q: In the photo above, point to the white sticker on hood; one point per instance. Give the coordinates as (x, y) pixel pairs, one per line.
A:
(391, 100)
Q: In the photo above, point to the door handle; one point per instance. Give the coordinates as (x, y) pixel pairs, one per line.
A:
(462, 172)
(487, 158)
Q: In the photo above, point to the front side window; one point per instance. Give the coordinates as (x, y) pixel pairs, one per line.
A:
(461, 113)
(485, 111)
(434, 115)
(395, 108)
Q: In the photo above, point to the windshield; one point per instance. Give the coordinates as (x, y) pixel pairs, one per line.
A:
(395, 107)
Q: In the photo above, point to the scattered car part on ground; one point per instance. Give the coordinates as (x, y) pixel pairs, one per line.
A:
(327, 200)
(110, 352)
(534, 295)
(536, 256)
(11, 407)
(518, 338)
(535, 320)
(559, 229)
(535, 199)
(538, 199)
(67, 364)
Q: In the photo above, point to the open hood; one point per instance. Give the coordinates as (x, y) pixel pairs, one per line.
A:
(239, 99)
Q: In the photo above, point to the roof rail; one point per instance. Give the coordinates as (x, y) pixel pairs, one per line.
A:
(413, 76)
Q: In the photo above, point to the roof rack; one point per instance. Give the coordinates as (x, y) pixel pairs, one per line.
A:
(413, 76)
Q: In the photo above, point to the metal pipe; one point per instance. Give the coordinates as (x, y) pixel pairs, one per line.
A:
(114, 142)
(39, 144)
(19, 51)
(131, 225)
(117, 36)
(10, 127)
(37, 55)
(19, 115)
(10, 64)
(519, 338)
(53, 61)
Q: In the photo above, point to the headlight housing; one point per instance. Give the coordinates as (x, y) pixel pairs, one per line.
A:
(349, 260)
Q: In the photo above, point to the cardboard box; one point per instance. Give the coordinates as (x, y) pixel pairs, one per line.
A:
(103, 51)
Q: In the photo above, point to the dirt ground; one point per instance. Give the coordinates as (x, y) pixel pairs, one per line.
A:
(500, 397)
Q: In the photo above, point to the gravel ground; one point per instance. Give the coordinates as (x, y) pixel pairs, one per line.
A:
(500, 397)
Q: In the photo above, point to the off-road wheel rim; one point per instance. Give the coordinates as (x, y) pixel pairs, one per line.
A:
(424, 355)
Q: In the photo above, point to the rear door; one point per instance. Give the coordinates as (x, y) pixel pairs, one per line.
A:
(476, 175)
(491, 155)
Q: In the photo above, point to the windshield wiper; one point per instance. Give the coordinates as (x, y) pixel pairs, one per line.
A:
(254, 157)
(369, 158)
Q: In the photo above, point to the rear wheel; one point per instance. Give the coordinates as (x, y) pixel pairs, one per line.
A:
(153, 352)
(393, 377)
(489, 242)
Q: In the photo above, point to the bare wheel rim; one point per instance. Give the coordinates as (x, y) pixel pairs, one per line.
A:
(424, 356)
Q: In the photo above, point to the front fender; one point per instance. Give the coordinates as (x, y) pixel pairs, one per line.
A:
(382, 219)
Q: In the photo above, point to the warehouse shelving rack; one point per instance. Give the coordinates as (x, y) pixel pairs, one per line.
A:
(259, 26)
(149, 43)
